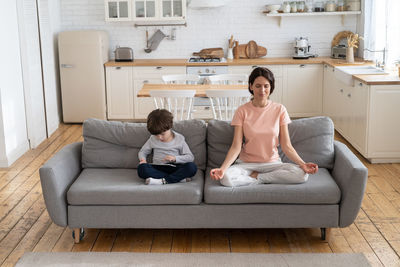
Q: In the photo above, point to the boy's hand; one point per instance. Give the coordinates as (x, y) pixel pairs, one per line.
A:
(142, 161)
(169, 158)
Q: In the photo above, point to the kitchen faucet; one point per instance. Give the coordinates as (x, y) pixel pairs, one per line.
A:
(377, 63)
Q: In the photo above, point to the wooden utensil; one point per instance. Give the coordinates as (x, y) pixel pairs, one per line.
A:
(210, 53)
(251, 49)
(261, 51)
(231, 42)
(235, 50)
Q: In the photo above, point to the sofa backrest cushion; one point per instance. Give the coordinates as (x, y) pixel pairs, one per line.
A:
(112, 144)
(311, 137)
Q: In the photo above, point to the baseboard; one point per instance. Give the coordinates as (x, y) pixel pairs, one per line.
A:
(14, 155)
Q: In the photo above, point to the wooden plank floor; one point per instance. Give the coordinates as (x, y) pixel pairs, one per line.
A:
(25, 224)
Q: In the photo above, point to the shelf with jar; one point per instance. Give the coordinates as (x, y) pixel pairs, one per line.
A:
(318, 8)
(146, 10)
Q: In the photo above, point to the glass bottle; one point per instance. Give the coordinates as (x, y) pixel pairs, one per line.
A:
(293, 7)
(300, 6)
(319, 7)
(309, 5)
(340, 6)
(330, 6)
(286, 7)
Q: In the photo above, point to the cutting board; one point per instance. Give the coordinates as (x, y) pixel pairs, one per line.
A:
(210, 53)
(249, 50)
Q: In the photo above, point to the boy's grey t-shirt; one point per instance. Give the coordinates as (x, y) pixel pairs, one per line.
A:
(177, 147)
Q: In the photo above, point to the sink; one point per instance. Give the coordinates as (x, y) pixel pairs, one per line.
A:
(345, 73)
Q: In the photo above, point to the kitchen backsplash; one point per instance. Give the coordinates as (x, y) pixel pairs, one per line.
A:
(208, 28)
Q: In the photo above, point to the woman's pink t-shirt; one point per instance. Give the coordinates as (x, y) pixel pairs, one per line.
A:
(261, 130)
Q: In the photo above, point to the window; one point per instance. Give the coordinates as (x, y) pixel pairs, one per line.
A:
(382, 30)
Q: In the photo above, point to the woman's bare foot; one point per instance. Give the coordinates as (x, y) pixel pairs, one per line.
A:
(254, 174)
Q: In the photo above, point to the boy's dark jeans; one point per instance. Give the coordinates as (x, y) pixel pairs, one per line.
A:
(171, 174)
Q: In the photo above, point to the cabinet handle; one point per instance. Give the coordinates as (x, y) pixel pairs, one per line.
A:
(302, 66)
(341, 90)
(146, 81)
(118, 68)
(360, 84)
(159, 68)
(67, 66)
(333, 69)
(348, 95)
(326, 66)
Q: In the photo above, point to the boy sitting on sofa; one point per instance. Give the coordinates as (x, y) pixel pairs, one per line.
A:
(172, 158)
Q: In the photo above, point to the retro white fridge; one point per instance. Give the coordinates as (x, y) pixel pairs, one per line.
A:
(82, 55)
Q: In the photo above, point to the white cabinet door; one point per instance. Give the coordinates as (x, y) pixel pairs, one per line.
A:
(328, 103)
(119, 93)
(117, 10)
(359, 98)
(384, 126)
(302, 89)
(159, 10)
(143, 105)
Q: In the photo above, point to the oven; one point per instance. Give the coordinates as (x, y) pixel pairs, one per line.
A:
(202, 107)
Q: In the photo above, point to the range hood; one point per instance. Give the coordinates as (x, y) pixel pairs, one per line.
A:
(199, 4)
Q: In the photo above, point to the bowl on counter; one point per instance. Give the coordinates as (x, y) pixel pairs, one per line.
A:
(273, 9)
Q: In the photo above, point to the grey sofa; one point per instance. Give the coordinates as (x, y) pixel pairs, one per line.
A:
(94, 184)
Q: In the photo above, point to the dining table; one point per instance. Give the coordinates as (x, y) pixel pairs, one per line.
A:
(200, 88)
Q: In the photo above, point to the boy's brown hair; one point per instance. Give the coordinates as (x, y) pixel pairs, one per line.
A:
(159, 121)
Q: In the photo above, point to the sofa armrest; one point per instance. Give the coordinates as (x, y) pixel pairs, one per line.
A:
(351, 177)
(56, 177)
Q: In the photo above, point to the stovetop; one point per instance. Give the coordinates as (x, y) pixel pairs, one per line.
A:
(205, 60)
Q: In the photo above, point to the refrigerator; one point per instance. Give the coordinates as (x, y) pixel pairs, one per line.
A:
(82, 55)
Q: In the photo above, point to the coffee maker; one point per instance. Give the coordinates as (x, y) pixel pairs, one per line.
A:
(302, 49)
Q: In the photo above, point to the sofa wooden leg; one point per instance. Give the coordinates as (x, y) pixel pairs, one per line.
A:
(76, 235)
(325, 234)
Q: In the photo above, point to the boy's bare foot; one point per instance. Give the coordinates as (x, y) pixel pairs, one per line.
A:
(254, 174)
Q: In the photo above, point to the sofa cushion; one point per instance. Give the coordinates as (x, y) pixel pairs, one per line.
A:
(111, 144)
(124, 187)
(313, 140)
(319, 189)
(311, 137)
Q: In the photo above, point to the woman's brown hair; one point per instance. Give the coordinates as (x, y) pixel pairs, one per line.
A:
(264, 72)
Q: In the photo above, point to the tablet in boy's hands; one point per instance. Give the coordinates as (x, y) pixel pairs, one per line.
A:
(163, 164)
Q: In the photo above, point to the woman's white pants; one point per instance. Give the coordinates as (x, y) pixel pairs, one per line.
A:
(268, 173)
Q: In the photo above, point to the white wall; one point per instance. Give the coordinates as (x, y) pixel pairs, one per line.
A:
(212, 28)
(13, 135)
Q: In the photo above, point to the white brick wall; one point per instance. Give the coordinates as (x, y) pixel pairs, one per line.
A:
(212, 28)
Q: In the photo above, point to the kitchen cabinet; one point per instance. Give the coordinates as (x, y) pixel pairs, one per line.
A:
(276, 96)
(302, 89)
(365, 115)
(159, 10)
(116, 10)
(120, 94)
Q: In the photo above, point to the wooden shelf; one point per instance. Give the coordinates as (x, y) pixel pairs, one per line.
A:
(306, 14)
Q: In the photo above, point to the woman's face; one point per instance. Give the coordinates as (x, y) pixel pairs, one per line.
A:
(261, 88)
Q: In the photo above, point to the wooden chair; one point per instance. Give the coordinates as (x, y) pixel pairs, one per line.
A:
(228, 79)
(225, 102)
(178, 102)
(181, 79)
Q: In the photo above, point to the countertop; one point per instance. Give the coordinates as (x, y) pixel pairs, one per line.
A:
(389, 79)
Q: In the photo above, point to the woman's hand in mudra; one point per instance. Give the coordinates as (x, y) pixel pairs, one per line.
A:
(217, 173)
(309, 167)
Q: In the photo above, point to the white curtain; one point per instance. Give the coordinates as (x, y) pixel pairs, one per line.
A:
(382, 30)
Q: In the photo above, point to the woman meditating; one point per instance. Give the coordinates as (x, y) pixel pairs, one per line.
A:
(263, 124)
